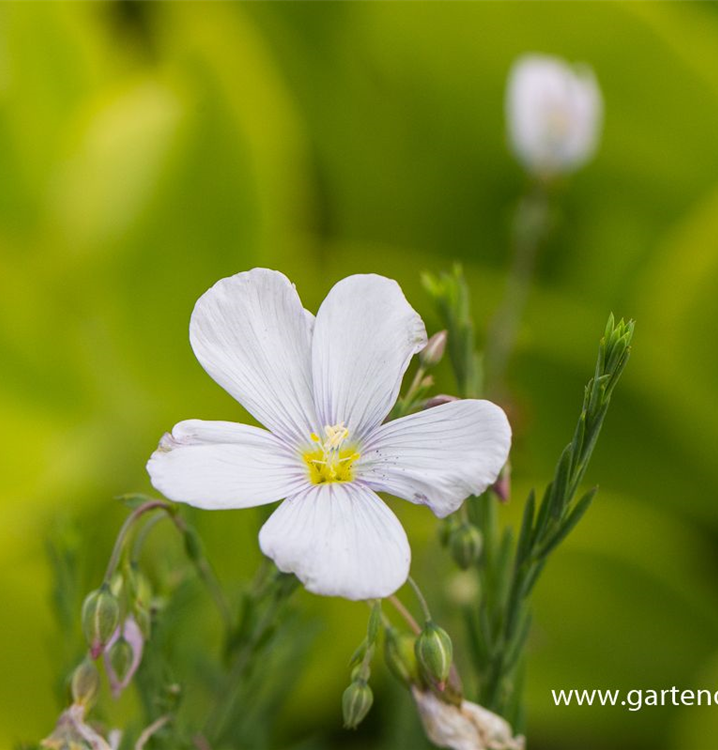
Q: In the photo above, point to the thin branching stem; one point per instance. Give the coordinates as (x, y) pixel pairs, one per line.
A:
(422, 601)
(404, 612)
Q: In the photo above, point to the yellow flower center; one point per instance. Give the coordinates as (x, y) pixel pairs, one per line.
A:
(331, 460)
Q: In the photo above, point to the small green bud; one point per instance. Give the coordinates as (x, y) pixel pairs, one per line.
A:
(100, 618)
(117, 585)
(400, 657)
(356, 703)
(139, 588)
(434, 652)
(446, 529)
(144, 620)
(120, 656)
(85, 683)
(432, 353)
(466, 545)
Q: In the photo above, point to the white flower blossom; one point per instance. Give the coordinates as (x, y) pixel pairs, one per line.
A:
(465, 727)
(323, 387)
(554, 114)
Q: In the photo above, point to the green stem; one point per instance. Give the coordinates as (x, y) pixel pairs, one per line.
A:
(404, 612)
(125, 530)
(142, 535)
(422, 601)
(204, 569)
(209, 578)
(529, 230)
(220, 715)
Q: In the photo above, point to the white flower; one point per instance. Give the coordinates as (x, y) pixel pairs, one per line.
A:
(554, 114)
(465, 727)
(323, 388)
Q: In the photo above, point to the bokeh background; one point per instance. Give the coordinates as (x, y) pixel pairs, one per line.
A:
(148, 149)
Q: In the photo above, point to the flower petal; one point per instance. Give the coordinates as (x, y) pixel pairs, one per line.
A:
(217, 465)
(440, 456)
(252, 335)
(365, 334)
(339, 539)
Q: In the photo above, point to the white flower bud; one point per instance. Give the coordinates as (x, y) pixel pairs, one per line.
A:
(554, 114)
(432, 353)
(71, 731)
(464, 727)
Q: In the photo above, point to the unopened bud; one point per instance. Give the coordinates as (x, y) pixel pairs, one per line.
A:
(432, 353)
(434, 652)
(400, 657)
(502, 486)
(123, 655)
(554, 112)
(466, 545)
(85, 684)
(100, 617)
(356, 703)
(139, 588)
(144, 621)
(120, 655)
(446, 529)
(439, 400)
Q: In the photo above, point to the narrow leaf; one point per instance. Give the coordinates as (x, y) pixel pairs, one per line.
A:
(524, 546)
(574, 517)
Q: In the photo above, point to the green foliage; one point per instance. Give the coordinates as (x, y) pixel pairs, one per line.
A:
(230, 699)
(504, 617)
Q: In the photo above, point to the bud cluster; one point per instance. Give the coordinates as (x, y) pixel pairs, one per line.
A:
(358, 698)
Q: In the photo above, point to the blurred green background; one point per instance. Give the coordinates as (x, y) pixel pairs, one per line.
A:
(147, 150)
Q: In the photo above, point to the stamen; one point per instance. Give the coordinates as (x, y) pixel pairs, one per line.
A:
(330, 462)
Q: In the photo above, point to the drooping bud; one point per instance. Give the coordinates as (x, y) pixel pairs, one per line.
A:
(400, 657)
(100, 617)
(356, 703)
(446, 528)
(554, 114)
(502, 486)
(85, 684)
(143, 618)
(434, 652)
(466, 545)
(139, 588)
(120, 657)
(432, 353)
(123, 655)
